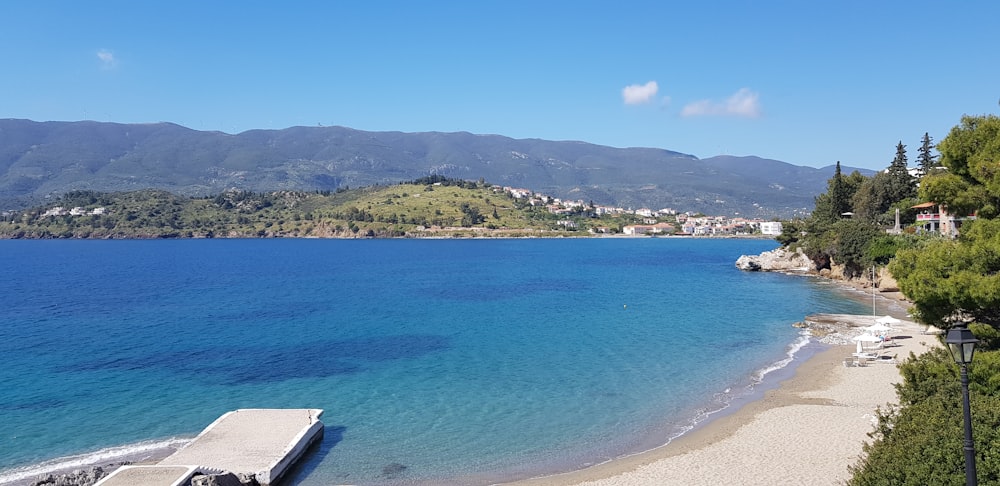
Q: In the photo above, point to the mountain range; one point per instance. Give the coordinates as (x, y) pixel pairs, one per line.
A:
(43, 159)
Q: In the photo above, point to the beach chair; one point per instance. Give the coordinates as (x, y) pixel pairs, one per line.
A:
(862, 359)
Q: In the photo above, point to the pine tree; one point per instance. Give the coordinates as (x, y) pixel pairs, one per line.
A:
(899, 163)
(902, 184)
(925, 160)
(840, 201)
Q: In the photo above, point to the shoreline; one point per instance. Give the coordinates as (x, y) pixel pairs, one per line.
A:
(807, 430)
(722, 425)
(107, 460)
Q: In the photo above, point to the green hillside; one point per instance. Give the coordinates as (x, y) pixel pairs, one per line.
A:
(430, 207)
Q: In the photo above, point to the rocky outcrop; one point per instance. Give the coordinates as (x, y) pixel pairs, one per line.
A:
(80, 477)
(224, 479)
(777, 260)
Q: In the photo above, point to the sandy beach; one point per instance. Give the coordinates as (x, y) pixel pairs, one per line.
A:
(806, 431)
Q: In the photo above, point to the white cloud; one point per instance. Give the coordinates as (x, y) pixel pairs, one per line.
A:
(744, 103)
(107, 59)
(637, 94)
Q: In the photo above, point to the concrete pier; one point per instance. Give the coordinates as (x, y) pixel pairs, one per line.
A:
(149, 475)
(260, 442)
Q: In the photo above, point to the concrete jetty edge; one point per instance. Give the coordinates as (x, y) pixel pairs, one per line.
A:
(263, 443)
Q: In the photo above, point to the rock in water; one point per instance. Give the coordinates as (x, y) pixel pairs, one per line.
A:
(777, 260)
(390, 471)
(748, 263)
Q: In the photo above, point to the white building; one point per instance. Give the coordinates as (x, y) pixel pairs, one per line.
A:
(56, 211)
(772, 228)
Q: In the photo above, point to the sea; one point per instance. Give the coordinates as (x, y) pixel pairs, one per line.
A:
(446, 361)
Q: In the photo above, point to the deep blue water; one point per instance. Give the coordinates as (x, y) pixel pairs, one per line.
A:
(469, 361)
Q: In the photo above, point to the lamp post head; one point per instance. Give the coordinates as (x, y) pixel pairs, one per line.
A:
(962, 344)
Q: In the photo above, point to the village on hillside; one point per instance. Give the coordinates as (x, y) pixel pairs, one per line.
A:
(654, 222)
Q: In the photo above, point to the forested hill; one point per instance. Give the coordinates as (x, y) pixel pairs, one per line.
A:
(44, 159)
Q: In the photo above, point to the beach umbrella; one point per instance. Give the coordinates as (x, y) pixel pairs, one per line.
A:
(866, 338)
(887, 320)
(878, 327)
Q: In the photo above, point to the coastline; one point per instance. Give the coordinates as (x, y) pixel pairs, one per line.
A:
(807, 430)
(106, 460)
(773, 380)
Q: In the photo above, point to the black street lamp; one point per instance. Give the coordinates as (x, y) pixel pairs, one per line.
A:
(962, 343)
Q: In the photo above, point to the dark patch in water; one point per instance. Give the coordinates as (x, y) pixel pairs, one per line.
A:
(33, 405)
(231, 364)
(486, 292)
(392, 470)
(287, 311)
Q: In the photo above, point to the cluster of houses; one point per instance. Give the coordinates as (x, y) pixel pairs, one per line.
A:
(686, 224)
(708, 226)
(77, 211)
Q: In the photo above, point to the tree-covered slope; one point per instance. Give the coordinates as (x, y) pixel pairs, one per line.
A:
(42, 159)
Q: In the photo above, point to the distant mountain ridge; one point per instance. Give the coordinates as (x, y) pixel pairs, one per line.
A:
(39, 159)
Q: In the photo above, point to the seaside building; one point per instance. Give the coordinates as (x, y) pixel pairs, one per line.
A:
(940, 221)
(771, 228)
(646, 229)
(637, 229)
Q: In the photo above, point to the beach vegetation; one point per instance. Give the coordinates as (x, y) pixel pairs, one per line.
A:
(847, 228)
(920, 441)
(969, 182)
(949, 281)
(958, 280)
(954, 280)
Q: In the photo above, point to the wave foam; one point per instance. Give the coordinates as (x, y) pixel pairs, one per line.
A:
(723, 400)
(136, 451)
(790, 355)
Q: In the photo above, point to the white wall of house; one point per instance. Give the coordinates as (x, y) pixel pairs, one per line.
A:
(771, 228)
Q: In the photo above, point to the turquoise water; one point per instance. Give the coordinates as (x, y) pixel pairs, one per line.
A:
(467, 361)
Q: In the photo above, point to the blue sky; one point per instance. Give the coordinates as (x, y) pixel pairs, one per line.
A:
(805, 82)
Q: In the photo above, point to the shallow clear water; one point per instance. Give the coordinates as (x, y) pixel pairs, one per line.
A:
(468, 361)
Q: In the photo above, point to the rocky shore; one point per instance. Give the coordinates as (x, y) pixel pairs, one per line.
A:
(79, 477)
(796, 262)
(777, 260)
